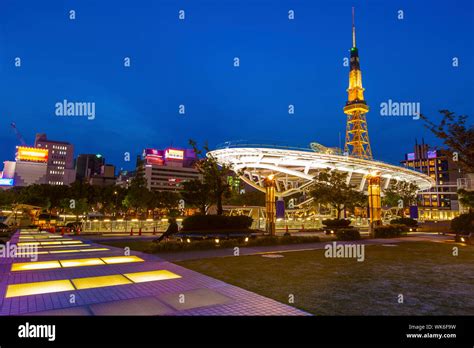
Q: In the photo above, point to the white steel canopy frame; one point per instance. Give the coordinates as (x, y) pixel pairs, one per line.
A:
(294, 170)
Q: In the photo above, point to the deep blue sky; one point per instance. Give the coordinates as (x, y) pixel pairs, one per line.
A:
(191, 62)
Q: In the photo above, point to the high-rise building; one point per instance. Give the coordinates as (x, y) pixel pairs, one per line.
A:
(357, 135)
(165, 170)
(88, 165)
(441, 201)
(60, 163)
(106, 176)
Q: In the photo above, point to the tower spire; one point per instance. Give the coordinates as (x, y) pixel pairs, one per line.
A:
(357, 134)
(353, 29)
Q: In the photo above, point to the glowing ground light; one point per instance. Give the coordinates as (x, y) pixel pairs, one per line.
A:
(15, 290)
(63, 246)
(28, 266)
(66, 251)
(36, 288)
(81, 262)
(121, 259)
(99, 282)
(95, 249)
(28, 254)
(141, 277)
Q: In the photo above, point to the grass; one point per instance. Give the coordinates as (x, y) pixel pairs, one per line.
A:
(431, 280)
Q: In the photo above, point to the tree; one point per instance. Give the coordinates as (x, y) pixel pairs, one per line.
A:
(331, 188)
(138, 195)
(457, 135)
(402, 192)
(75, 207)
(164, 200)
(249, 198)
(197, 194)
(214, 175)
(466, 198)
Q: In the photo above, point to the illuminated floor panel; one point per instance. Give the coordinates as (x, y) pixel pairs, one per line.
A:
(121, 259)
(15, 290)
(26, 254)
(141, 277)
(99, 282)
(63, 246)
(67, 251)
(95, 249)
(62, 243)
(29, 266)
(81, 262)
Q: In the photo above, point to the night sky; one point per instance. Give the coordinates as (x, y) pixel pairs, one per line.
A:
(190, 62)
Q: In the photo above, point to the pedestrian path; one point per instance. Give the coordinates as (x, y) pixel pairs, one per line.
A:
(72, 276)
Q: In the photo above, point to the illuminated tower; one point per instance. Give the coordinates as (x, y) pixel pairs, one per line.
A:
(357, 135)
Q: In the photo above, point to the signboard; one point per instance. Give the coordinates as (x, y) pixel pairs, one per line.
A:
(280, 209)
(6, 182)
(31, 154)
(414, 212)
(174, 154)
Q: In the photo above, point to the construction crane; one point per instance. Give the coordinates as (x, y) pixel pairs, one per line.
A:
(18, 134)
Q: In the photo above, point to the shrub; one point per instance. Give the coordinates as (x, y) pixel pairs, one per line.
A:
(463, 224)
(389, 231)
(216, 222)
(404, 221)
(173, 246)
(336, 223)
(347, 234)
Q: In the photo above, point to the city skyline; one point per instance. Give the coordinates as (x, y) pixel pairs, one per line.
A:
(137, 107)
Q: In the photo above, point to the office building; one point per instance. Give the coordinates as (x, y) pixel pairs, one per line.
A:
(441, 201)
(60, 162)
(166, 170)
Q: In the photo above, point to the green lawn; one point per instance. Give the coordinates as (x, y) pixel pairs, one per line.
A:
(431, 280)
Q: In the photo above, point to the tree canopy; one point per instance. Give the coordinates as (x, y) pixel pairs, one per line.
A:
(331, 188)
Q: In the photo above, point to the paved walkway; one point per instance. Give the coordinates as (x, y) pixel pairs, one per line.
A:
(75, 277)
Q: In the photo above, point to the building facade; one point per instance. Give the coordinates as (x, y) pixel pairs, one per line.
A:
(106, 176)
(88, 165)
(165, 170)
(60, 160)
(441, 201)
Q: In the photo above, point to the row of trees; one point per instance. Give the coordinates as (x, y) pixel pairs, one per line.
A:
(137, 199)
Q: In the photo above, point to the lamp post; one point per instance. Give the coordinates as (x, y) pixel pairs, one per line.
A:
(375, 208)
(270, 218)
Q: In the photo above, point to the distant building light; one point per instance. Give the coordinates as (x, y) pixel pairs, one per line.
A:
(6, 182)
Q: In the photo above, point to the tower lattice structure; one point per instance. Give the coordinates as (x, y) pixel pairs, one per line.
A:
(357, 142)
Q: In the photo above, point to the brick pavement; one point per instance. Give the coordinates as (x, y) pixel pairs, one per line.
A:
(190, 294)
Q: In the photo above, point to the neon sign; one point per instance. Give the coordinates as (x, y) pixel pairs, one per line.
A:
(174, 154)
(6, 182)
(31, 154)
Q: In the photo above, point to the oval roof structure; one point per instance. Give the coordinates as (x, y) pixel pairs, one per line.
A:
(294, 169)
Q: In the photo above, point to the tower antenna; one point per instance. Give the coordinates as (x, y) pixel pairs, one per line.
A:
(357, 135)
(353, 29)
